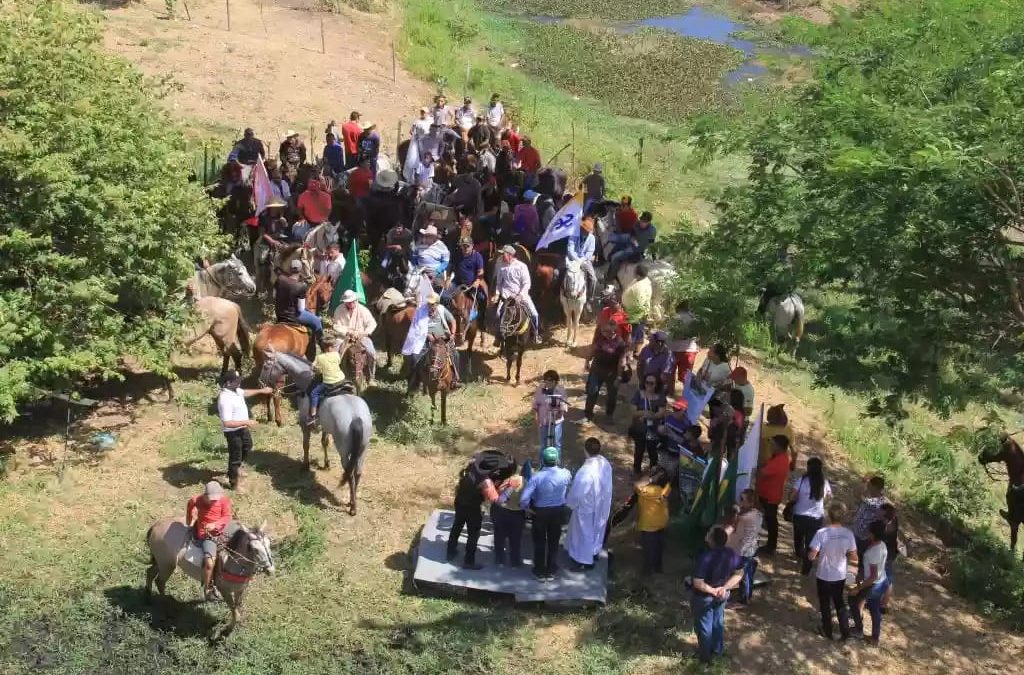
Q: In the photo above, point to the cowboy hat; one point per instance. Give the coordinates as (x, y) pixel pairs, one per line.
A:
(231, 377)
(433, 299)
(429, 229)
(386, 180)
(349, 296)
(290, 133)
(368, 125)
(599, 167)
(277, 203)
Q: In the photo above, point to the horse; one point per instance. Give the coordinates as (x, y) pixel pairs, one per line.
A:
(278, 337)
(282, 260)
(574, 299)
(469, 318)
(223, 321)
(344, 417)
(661, 273)
(1009, 452)
(356, 361)
(318, 294)
(545, 283)
(786, 314)
(245, 553)
(434, 373)
(513, 334)
(226, 278)
(395, 316)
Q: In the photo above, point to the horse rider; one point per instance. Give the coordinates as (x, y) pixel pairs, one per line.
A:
(583, 247)
(514, 282)
(430, 254)
(291, 154)
(440, 327)
(398, 241)
(290, 304)
(468, 270)
(643, 236)
(248, 149)
(333, 264)
(207, 515)
(354, 322)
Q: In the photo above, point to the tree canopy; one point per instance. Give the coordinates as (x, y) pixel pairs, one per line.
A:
(98, 219)
(893, 177)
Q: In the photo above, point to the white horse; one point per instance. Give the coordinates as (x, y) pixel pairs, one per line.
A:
(786, 313)
(228, 278)
(574, 299)
(661, 273)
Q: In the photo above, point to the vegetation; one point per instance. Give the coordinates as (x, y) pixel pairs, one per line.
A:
(98, 223)
(602, 9)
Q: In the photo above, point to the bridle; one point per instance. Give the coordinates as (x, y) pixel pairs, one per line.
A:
(215, 276)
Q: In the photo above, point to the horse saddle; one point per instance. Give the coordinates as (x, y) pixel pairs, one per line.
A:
(297, 327)
(330, 390)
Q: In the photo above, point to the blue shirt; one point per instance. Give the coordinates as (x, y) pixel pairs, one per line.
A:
(546, 488)
(466, 269)
(581, 248)
(435, 256)
(334, 156)
(716, 566)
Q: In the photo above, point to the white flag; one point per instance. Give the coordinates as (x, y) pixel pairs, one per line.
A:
(565, 223)
(262, 194)
(696, 401)
(747, 455)
(417, 336)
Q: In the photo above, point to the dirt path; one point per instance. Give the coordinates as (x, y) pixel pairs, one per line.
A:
(268, 72)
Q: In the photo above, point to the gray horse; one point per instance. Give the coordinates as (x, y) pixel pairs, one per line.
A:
(224, 279)
(245, 553)
(786, 314)
(344, 417)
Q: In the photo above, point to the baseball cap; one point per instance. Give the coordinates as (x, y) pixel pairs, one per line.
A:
(349, 296)
(549, 456)
(507, 248)
(680, 404)
(213, 491)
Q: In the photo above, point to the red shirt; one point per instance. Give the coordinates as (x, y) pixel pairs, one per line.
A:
(771, 479)
(626, 219)
(529, 159)
(513, 140)
(315, 203)
(216, 513)
(359, 182)
(350, 132)
(620, 319)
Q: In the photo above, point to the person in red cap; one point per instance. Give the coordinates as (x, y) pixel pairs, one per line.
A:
(741, 383)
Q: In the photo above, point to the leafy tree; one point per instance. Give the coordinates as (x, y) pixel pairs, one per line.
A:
(894, 175)
(98, 221)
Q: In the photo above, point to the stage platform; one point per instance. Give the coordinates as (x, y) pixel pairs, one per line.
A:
(568, 588)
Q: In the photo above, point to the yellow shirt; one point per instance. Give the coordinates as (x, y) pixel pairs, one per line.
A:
(765, 449)
(636, 299)
(653, 507)
(328, 364)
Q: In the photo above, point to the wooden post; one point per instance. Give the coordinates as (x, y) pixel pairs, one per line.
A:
(640, 153)
(206, 163)
(323, 40)
(227, 9)
(394, 63)
(572, 171)
(534, 110)
(187, 13)
(262, 20)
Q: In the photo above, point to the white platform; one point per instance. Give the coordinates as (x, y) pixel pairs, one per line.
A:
(567, 587)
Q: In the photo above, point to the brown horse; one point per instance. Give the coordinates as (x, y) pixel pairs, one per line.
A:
(223, 321)
(513, 336)
(1010, 454)
(464, 301)
(356, 361)
(545, 284)
(318, 295)
(435, 375)
(280, 337)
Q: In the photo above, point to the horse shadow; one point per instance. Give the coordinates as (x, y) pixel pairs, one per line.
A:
(185, 474)
(289, 476)
(164, 613)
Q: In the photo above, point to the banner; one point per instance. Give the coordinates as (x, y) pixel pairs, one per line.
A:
(417, 336)
(350, 279)
(696, 400)
(262, 194)
(565, 223)
(746, 456)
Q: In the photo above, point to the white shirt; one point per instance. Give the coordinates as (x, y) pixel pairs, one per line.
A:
(876, 555)
(466, 117)
(805, 506)
(421, 127)
(231, 408)
(495, 113)
(425, 175)
(359, 322)
(832, 545)
(514, 280)
(333, 268)
(441, 115)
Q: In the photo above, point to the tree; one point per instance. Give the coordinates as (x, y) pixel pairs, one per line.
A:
(894, 175)
(98, 220)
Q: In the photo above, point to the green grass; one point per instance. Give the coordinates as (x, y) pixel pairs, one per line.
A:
(603, 9)
(442, 41)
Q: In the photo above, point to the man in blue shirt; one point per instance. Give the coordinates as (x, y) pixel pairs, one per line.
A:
(334, 155)
(719, 570)
(469, 270)
(583, 248)
(544, 495)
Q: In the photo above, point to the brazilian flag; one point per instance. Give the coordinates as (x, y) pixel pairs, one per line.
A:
(350, 279)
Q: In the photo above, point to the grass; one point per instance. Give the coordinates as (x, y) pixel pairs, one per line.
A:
(445, 41)
(603, 9)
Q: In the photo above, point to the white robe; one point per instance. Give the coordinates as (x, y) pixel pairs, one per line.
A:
(590, 498)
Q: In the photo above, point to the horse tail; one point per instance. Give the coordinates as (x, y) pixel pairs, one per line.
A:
(798, 317)
(356, 433)
(152, 557)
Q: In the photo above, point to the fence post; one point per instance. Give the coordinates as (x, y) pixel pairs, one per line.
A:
(640, 153)
(227, 10)
(323, 40)
(206, 163)
(465, 88)
(394, 63)
(188, 14)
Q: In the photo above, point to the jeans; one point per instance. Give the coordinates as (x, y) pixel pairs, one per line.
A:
(653, 545)
(547, 531)
(315, 394)
(642, 445)
(747, 583)
(804, 528)
(830, 593)
(471, 519)
(771, 525)
(239, 445)
(872, 597)
(555, 439)
(638, 330)
(508, 528)
(709, 625)
(595, 380)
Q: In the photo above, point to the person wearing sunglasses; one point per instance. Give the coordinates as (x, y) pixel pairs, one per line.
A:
(648, 410)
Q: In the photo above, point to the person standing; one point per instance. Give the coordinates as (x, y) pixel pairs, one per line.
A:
(509, 521)
(868, 511)
(291, 154)
(741, 384)
(334, 155)
(636, 300)
(743, 540)
(549, 408)
(719, 570)
(465, 117)
(652, 498)
(605, 367)
(544, 495)
(593, 186)
(496, 115)
(235, 422)
(685, 349)
(771, 488)
(834, 549)
(590, 499)
(350, 133)
(649, 404)
(207, 515)
(872, 589)
(369, 146)
(473, 491)
(656, 359)
(808, 498)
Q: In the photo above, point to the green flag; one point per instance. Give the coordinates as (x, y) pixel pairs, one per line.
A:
(350, 279)
(705, 502)
(727, 488)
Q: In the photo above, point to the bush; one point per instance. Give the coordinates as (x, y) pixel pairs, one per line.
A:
(98, 222)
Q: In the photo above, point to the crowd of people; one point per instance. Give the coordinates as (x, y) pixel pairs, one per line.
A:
(478, 164)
